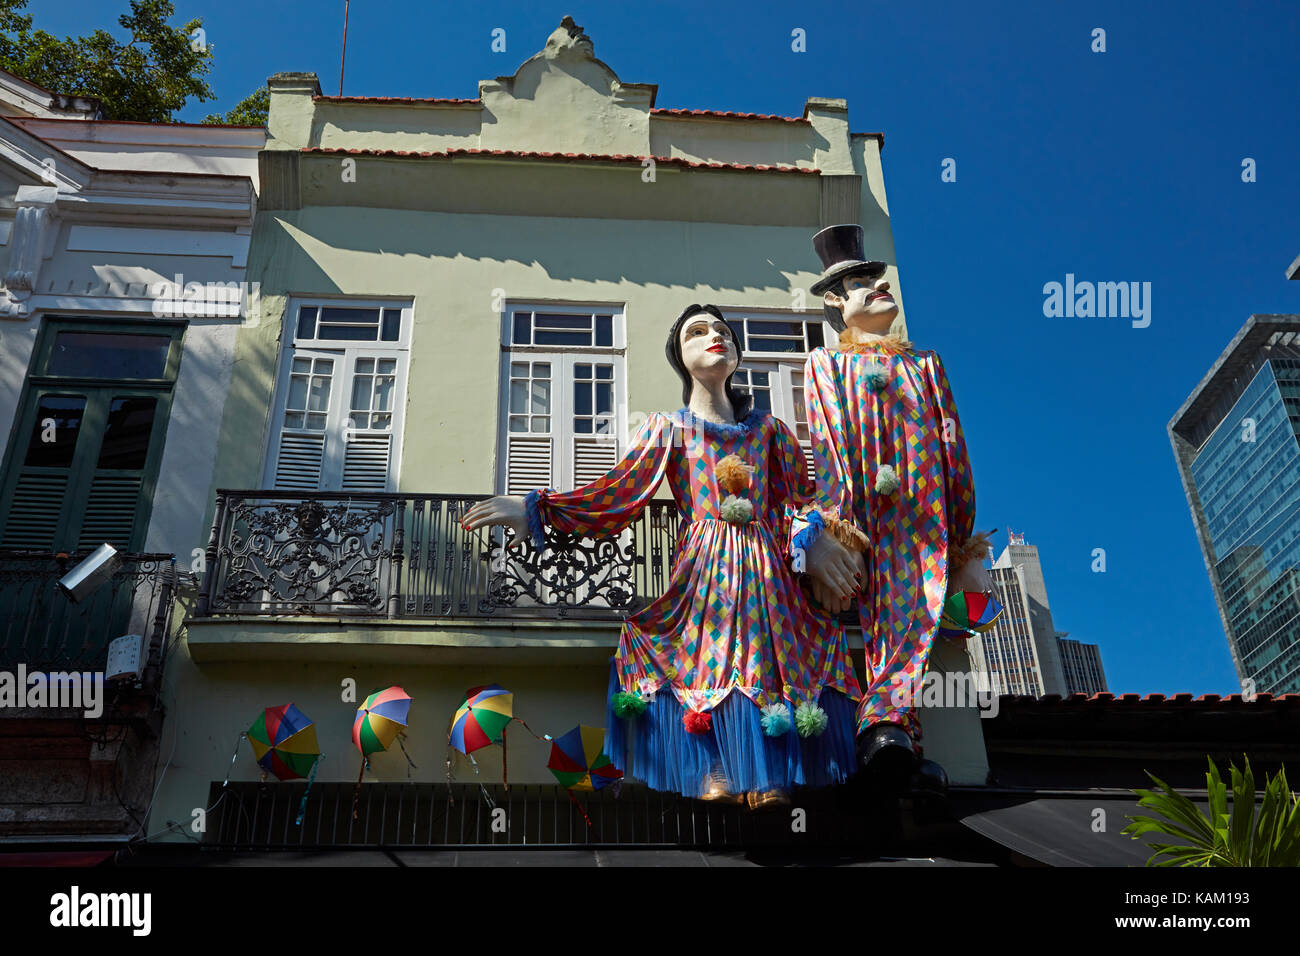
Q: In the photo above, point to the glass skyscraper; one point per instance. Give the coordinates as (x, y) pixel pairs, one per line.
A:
(1235, 439)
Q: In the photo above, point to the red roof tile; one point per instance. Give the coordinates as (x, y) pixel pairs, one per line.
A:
(393, 99)
(579, 157)
(725, 114)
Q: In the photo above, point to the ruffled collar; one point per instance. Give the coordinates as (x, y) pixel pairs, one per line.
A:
(856, 340)
(717, 430)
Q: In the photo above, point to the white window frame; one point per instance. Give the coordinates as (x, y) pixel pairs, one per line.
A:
(346, 353)
(782, 367)
(563, 358)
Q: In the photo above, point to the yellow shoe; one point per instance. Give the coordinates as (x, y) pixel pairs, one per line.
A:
(718, 790)
(767, 799)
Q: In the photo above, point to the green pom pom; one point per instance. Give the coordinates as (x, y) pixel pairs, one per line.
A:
(775, 720)
(737, 510)
(810, 720)
(627, 704)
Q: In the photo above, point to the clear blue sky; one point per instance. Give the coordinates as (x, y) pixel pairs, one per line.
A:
(1116, 166)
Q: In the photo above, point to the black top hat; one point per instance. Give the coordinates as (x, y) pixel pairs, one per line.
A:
(840, 250)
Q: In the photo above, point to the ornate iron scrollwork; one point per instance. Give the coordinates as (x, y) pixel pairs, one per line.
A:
(308, 556)
(407, 555)
(573, 575)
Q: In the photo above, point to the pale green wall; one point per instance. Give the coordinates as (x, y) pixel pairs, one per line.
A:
(653, 268)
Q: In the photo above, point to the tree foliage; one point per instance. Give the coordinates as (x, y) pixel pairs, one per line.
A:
(250, 111)
(148, 77)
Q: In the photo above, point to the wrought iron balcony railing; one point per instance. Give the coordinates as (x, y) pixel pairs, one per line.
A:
(406, 556)
(44, 630)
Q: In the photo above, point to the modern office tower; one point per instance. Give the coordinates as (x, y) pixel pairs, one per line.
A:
(1081, 664)
(1235, 441)
(1020, 653)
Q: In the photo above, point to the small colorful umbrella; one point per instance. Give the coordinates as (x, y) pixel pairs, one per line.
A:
(284, 742)
(482, 717)
(380, 718)
(481, 720)
(579, 762)
(379, 722)
(968, 613)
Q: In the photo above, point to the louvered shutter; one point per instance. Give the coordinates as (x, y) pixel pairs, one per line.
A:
(528, 463)
(808, 460)
(34, 511)
(560, 419)
(372, 420)
(304, 418)
(592, 459)
(111, 509)
(298, 466)
(86, 488)
(366, 461)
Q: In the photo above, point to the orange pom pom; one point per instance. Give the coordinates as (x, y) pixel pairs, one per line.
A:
(733, 474)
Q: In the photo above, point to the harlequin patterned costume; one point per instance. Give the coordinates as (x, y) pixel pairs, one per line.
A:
(877, 402)
(732, 619)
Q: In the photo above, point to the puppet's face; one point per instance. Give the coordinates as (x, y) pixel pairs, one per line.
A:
(708, 350)
(866, 304)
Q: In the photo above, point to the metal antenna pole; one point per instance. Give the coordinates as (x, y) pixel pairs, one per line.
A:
(344, 57)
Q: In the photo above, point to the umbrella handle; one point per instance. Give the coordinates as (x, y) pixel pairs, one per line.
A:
(356, 794)
(581, 808)
(505, 775)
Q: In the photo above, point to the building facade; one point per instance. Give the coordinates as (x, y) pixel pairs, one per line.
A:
(1081, 664)
(1021, 653)
(1235, 443)
(123, 249)
(461, 297)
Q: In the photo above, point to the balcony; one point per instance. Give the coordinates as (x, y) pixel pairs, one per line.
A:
(405, 556)
(42, 629)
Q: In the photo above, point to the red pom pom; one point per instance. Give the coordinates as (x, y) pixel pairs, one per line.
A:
(697, 723)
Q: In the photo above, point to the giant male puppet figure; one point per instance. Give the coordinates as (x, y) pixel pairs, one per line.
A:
(895, 494)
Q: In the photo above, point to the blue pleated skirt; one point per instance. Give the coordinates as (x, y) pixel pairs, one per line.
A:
(667, 757)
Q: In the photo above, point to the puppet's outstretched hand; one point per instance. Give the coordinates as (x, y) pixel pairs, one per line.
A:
(507, 510)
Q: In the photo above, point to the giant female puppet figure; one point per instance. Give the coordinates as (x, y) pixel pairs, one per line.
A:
(894, 481)
(729, 688)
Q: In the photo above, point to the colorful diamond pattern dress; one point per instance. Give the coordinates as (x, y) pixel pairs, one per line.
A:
(892, 406)
(732, 617)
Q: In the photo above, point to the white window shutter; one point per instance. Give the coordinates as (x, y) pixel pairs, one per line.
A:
(366, 460)
(592, 459)
(528, 463)
(300, 462)
(808, 460)
(322, 447)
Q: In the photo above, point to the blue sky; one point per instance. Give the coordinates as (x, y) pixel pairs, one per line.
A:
(1117, 166)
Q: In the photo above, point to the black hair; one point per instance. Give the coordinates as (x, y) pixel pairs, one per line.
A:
(836, 316)
(831, 314)
(741, 402)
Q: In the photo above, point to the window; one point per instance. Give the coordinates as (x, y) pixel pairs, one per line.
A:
(563, 405)
(776, 347)
(89, 437)
(341, 393)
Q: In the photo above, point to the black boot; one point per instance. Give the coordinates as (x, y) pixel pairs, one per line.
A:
(885, 753)
(929, 779)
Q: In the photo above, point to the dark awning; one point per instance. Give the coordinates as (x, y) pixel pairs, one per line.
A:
(1060, 828)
